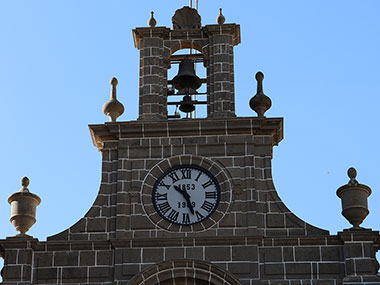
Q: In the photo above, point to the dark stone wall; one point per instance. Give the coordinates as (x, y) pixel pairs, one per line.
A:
(304, 260)
(254, 237)
(251, 237)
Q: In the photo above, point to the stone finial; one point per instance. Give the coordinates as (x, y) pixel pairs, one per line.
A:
(24, 184)
(354, 200)
(220, 19)
(23, 208)
(152, 21)
(113, 108)
(351, 172)
(186, 18)
(260, 103)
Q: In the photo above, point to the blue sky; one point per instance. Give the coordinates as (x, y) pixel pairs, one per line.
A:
(321, 63)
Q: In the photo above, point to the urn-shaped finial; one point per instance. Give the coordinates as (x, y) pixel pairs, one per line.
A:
(220, 19)
(23, 208)
(354, 200)
(152, 21)
(260, 103)
(113, 108)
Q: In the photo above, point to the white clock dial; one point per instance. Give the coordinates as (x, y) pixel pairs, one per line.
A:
(186, 195)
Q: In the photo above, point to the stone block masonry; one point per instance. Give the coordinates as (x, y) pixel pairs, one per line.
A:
(247, 259)
(252, 237)
(249, 238)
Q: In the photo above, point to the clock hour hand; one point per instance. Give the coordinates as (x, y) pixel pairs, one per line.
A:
(189, 203)
(186, 196)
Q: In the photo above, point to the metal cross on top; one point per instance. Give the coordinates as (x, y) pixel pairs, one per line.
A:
(191, 4)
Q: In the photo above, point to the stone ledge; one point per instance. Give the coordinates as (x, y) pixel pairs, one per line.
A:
(158, 32)
(196, 127)
(167, 33)
(232, 29)
(360, 235)
(73, 245)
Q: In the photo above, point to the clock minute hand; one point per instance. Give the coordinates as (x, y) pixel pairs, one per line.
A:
(186, 196)
(179, 190)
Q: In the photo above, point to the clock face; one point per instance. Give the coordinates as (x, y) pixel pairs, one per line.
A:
(186, 195)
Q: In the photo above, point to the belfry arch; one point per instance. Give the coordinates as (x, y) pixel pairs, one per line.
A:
(188, 45)
(187, 64)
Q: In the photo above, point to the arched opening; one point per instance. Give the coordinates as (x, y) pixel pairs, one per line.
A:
(186, 45)
(189, 52)
(185, 281)
(174, 272)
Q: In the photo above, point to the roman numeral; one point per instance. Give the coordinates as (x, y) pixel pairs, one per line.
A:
(208, 183)
(164, 207)
(210, 195)
(186, 173)
(185, 218)
(160, 197)
(173, 176)
(173, 215)
(199, 175)
(199, 215)
(207, 206)
(162, 184)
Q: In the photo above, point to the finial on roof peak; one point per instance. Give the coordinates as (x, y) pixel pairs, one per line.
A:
(220, 19)
(152, 21)
(113, 108)
(260, 103)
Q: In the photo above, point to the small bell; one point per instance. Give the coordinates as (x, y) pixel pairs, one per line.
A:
(187, 105)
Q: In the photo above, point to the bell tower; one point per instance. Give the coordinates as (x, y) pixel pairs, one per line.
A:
(190, 200)
(214, 44)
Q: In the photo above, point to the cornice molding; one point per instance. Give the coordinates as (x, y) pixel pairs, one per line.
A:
(114, 131)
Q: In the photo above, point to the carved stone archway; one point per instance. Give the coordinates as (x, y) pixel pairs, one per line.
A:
(177, 272)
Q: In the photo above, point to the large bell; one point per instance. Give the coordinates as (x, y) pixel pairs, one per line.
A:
(187, 105)
(186, 77)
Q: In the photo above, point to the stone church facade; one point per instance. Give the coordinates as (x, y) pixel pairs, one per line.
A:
(155, 221)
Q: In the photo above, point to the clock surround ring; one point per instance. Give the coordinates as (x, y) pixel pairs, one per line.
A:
(214, 168)
(194, 208)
